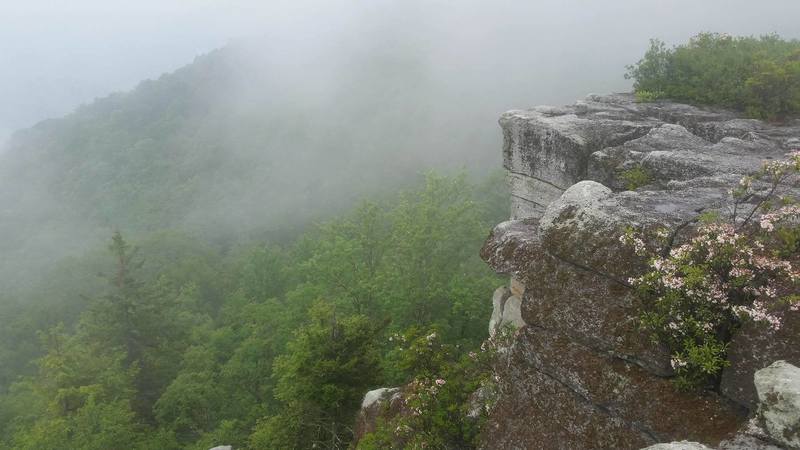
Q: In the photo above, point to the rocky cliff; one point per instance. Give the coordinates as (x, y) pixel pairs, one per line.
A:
(580, 373)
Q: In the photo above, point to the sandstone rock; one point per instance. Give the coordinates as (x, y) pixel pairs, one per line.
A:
(372, 397)
(517, 287)
(683, 445)
(579, 275)
(581, 374)
(505, 310)
(382, 402)
(481, 401)
(548, 149)
(580, 206)
(753, 348)
(614, 390)
(743, 441)
(499, 298)
(778, 388)
(672, 153)
(512, 314)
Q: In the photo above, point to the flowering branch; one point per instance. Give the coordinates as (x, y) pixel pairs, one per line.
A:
(698, 294)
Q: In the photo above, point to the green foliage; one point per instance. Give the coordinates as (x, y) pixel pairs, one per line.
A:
(708, 217)
(225, 149)
(773, 91)
(446, 395)
(84, 392)
(93, 426)
(643, 96)
(182, 345)
(696, 298)
(635, 177)
(760, 76)
(321, 379)
(696, 295)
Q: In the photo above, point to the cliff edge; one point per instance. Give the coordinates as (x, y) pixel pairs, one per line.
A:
(580, 373)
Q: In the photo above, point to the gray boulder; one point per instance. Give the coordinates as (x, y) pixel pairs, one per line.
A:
(683, 445)
(778, 388)
(377, 403)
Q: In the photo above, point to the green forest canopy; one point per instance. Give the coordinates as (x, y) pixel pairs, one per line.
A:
(178, 345)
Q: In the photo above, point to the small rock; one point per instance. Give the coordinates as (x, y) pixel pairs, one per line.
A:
(517, 287)
(512, 312)
(374, 395)
(778, 388)
(578, 205)
(682, 445)
(499, 298)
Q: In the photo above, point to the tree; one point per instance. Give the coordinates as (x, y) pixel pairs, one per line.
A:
(142, 321)
(348, 257)
(435, 236)
(321, 379)
(84, 393)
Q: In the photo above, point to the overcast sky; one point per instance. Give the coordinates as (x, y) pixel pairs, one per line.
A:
(57, 54)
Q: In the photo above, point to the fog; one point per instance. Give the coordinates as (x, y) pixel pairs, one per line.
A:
(58, 54)
(309, 106)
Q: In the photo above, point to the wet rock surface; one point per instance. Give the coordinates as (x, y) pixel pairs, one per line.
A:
(377, 403)
(581, 374)
(548, 149)
(778, 388)
(683, 445)
(776, 424)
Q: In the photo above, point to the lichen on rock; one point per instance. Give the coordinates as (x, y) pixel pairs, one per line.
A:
(778, 388)
(582, 373)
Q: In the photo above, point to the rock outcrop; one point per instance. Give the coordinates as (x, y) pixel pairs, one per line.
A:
(506, 309)
(581, 374)
(377, 403)
(776, 425)
(683, 445)
(778, 388)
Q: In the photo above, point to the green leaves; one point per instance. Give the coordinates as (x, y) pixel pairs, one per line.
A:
(327, 368)
(760, 76)
(635, 177)
(270, 345)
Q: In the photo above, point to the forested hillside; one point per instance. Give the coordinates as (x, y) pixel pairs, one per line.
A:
(168, 343)
(247, 141)
(176, 257)
(291, 225)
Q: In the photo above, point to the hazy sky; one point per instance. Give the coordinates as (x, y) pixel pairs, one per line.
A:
(58, 54)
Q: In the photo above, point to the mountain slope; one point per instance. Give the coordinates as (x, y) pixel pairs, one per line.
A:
(244, 140)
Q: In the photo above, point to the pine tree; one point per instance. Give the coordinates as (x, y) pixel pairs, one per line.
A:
(321, 379)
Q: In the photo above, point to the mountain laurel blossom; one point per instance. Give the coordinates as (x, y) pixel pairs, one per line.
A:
(696, 295)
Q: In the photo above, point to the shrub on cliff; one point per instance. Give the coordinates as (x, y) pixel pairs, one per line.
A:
(697, 294)
(328, 365)
(447, 397)
(760, 76)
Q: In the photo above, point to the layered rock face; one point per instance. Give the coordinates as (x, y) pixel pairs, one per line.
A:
(580, 373)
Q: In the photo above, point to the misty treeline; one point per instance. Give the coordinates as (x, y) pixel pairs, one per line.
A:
(247, 141)
(185, 329)
(169, 343)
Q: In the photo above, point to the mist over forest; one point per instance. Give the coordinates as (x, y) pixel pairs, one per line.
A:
(300, 118)
(247, 150)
